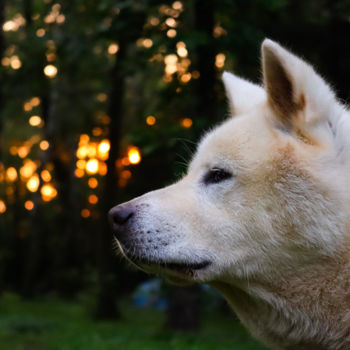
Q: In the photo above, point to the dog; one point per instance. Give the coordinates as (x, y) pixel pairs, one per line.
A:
(263, 213)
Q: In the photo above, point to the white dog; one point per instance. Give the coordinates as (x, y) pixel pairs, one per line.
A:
(263, 214)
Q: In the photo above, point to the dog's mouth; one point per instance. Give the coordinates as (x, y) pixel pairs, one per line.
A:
(188, 269)
(184, 268)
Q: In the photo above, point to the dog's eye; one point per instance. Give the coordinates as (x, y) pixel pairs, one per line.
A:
(216, 175)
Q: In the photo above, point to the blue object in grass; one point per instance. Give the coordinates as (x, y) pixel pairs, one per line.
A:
(150, 294)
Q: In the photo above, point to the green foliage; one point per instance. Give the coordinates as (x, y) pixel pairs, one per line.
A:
(111, 75)
(54, 325)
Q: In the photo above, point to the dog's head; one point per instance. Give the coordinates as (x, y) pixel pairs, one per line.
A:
(264, 188)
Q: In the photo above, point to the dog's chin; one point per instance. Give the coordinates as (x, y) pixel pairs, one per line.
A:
(176, 272)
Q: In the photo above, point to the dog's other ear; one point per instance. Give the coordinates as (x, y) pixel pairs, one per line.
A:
(296, 94)
(242, 94)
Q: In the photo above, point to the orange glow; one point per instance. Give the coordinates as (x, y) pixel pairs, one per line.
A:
(13, 150)
(48, 192)
(170, 59)
(92, 150)
(186, 78)
(40, 32)
(168, 78)
(81, 164)
(29, 205)
(171, 33)
(11, 174)
(96, 131)
(186, 122)
(50, 57)
(181, 49)
(28, 169)
(125, 161)
(147, 43)
(103, 149)
(5, 61)
(85, 213)
(10, 26)
(79, 173)
(93, 183)
(60, 19)
(50, 71)
(170, 69)
(102, 97)
(93, 199)
(33, 183)
(35, 120)
(46, 176)
(2, 207)
(15, 62)
(35, 101)
(177, 5)
(44, 145)
(119, 163)
(23, 151)
(134, 155)
(82, 152)
(125, 174)
(170, 22)
(27, 107)
(220, 60)
(182, 52)
(195, 74)
(105, 119)
(151, 120)
(154, 21)
(92, 166)
(113, 48)
(103, 169)
(84, 138)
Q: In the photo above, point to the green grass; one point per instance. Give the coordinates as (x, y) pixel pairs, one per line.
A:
(57, 325)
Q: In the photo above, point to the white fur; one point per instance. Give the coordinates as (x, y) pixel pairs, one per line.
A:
(277, 233)
(242, 94)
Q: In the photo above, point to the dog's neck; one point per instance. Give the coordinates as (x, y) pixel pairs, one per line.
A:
(288, 309)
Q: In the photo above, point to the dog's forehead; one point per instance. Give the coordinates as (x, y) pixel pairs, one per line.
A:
(242, 139)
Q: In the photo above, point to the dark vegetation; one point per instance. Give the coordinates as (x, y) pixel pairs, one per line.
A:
(104, 100)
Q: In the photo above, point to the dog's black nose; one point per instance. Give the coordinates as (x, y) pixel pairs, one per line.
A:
(120, 214)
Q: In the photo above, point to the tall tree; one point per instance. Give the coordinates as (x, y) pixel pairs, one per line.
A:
(127, 28)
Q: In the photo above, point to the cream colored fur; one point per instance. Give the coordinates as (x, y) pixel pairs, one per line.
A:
(277, 233)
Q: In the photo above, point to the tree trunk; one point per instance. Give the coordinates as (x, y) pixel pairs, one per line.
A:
(27, 10)
(2, 48)
(33, 241)
(183, 312)
(106, 305)
(205, 60)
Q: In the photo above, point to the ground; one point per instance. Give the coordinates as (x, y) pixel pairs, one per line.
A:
(51, 324)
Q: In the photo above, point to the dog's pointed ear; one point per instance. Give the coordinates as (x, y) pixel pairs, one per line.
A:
(242, 94)
(294, 90)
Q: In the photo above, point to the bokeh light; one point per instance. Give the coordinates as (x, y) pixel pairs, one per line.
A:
(186, 122)
(92, 166)
(29, 205)
(151, 120)
(134, 155)
(50, 71)
(2, 206)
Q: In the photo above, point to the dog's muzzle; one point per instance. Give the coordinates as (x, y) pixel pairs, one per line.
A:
(120, 218)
